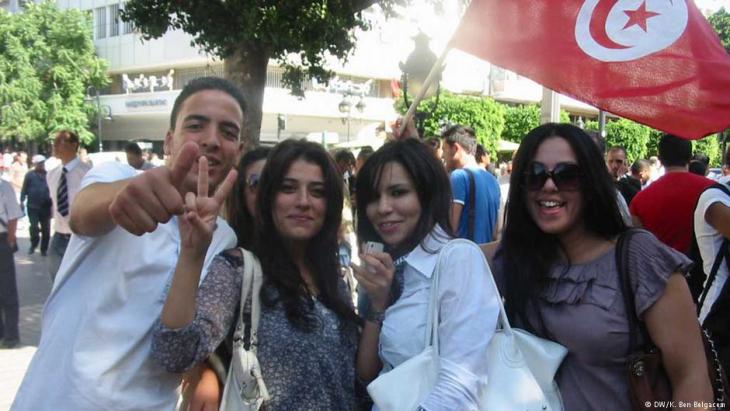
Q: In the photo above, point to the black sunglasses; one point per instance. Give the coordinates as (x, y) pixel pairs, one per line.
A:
(565, 176)
(253, 181)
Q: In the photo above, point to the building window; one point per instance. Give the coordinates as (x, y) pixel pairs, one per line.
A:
(100, 20)
(128, 25)
(113, 20)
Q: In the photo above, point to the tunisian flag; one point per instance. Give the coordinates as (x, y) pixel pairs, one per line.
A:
(657, 62)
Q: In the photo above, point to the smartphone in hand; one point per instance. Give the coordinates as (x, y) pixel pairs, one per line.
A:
(372, 246)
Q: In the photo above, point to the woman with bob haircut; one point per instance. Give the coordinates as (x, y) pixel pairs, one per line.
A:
(307, 333)
(404, 196)
(556, 268)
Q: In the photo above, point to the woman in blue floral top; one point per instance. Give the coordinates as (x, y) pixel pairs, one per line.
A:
(307, 335)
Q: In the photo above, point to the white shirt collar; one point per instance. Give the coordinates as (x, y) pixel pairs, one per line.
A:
(424, 256)
(71, 164)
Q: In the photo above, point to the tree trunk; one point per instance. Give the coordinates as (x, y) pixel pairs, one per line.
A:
(246, 68)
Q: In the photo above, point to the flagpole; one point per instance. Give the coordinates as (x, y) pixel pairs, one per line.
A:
(435, 70)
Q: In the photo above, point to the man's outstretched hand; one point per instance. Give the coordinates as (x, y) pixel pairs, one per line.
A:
(154, 196)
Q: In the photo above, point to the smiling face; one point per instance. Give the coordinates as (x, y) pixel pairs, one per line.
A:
(213, 120)
(396, 208)
(300, 204)
(555, 211)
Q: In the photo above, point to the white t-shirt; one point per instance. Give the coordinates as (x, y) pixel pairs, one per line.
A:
(9, 207)
(94, 352)
(709, 241)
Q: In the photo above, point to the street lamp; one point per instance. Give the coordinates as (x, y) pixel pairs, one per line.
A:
(346, 105)
(415, 70)
(99, 112)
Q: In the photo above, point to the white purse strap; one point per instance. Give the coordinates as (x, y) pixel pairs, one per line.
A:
(432, 335)
(250, 285)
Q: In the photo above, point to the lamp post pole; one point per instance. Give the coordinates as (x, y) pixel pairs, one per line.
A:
(98, 115)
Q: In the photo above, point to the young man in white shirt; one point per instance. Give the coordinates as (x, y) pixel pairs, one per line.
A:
(112, 284)
(712, 231)
(10, 212)
(64, 183)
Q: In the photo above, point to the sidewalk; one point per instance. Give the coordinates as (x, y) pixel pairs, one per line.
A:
(34, 285)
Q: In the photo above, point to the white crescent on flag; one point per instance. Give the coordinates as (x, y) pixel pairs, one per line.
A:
(625, 30)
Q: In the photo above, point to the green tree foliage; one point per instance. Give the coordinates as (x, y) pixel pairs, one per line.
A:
(709, 146)
(520, 119)
(298, 34)
(629, 134)
(47, 60)
(483, 114)
(720, 21)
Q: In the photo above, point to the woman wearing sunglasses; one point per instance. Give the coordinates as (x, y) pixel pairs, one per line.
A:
(405, 198)
(557, 270)
(307, 333)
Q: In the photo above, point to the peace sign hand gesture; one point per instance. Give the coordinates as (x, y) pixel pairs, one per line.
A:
(198, 222)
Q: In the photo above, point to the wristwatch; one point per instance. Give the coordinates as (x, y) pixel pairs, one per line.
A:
(375, 316)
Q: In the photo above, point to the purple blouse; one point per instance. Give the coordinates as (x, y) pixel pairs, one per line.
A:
(583, 309)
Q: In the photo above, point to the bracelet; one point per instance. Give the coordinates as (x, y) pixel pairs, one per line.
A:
(374, 316)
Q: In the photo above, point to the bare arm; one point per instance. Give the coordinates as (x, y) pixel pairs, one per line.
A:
(673, 327)
(12, 228)
(376, 277)
(196, 232)
(456, 210)
(136, 204)
(368, 360)
(90, 210)
(718, 216)
(636, 221)
(489, 250)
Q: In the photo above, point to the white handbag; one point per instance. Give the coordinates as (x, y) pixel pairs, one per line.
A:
(245, 389)
(521, 366)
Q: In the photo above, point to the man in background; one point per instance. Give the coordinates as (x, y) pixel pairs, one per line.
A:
(135, 157)
(475, 190)
(10, 212)
(39, 204)
(64, 182)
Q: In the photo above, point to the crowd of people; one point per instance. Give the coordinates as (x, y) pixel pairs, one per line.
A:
(147, 310)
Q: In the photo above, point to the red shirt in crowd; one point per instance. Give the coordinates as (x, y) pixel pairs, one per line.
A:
(666, 207)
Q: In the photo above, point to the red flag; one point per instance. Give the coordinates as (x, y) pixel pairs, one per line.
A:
(657, 62)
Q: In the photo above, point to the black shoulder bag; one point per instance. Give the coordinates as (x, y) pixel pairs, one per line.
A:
(648, 380)
(471, 216)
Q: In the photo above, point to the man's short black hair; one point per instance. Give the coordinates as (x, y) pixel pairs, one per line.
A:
(698, 167)
(481, 151)
(365, 153)
(344, 156)
(702, 158)
(133, 148)
(206, 83)
(674, 151)
(464, 136)
(640, 165)
(618, 148)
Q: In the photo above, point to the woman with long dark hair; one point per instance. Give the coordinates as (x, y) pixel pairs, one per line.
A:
(557, 270)
(307, 332)
(404, 198)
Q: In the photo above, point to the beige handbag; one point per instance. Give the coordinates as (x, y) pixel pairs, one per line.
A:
(245, 389)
